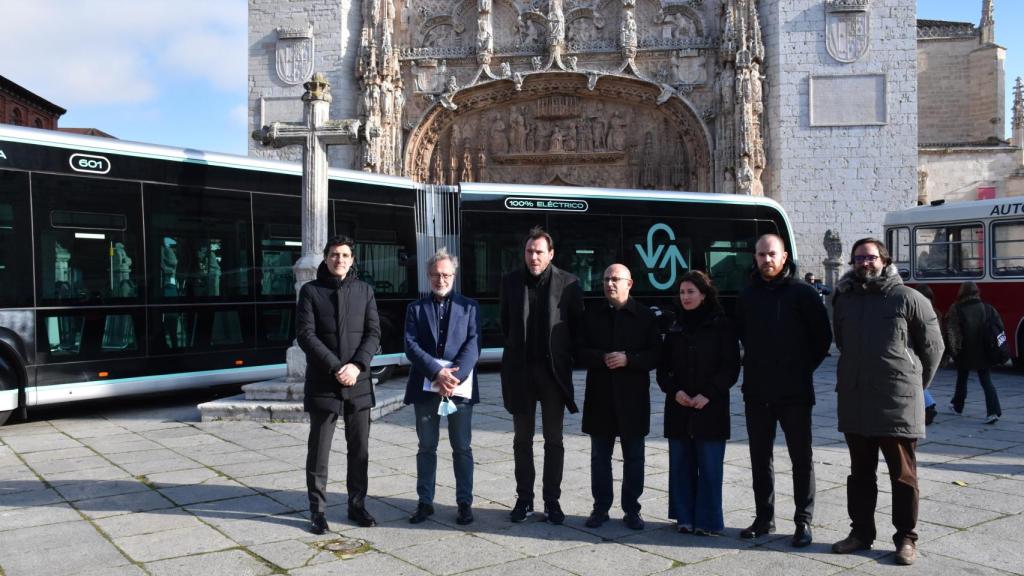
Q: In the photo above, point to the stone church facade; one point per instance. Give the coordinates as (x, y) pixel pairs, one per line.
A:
(810, 102)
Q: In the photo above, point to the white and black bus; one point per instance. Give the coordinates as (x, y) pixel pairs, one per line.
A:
(129, 268)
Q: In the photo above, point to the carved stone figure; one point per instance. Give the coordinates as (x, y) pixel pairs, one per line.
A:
(599, 129)
(518, 131)
(556, 23)
(617, 132)
(499, 139)
(466, 175)
(556, 143)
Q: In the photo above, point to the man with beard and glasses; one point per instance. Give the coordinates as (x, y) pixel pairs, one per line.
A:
(890, 344)
(442, 343)
(784, 328)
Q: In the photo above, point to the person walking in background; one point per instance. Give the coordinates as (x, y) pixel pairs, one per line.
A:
(784, 328)
(442, 342)
(700, 361)
(966, 332)
(890, 346)
(541, 310)
(337, 326)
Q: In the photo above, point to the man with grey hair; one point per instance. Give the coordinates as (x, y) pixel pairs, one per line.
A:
(442, 343)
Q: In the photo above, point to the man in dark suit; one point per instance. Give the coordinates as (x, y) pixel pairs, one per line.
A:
(337, 327)
(443, 345)
(541, 308)
(619, 346)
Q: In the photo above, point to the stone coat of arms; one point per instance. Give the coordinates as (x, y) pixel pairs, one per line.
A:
(847, 29)
(294, 55)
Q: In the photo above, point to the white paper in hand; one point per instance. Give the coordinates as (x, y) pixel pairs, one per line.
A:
(463, 390)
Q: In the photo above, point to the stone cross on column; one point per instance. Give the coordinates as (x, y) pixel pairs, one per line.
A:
(315, 133)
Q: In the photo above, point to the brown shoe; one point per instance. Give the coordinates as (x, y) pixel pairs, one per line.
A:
(851, 543)
(906, 554)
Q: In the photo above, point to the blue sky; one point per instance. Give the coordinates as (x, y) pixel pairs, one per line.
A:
(174, 71)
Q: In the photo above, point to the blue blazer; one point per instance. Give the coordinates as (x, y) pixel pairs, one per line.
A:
(462, 346)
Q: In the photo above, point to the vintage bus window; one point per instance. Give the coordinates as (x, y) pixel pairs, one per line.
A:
(585, 246)
(15, 241)
(898, 242)
(658, 252)
(276, 326)
(88, 245)
(385, 245)
(1008, 249)
(199, 243)
(277, 222)
(950, 251)
(119, 333)
(63, 335)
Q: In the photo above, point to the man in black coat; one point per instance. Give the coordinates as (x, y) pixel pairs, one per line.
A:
(337, 327)
(541, 308)
(619, 346)
(785, 331)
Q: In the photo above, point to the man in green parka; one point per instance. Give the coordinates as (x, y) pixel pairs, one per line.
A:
(890, 344)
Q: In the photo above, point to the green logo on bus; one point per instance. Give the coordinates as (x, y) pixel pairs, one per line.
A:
(662, 256)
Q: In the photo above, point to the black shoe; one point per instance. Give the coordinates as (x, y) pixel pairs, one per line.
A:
(553, 512)
(596, 519)
(361, 517)
(802, 535)
(521, 510)
(423, 511)
(758, 529)
(929, 414)
(318, 523)
(465, 515)
(634, 521)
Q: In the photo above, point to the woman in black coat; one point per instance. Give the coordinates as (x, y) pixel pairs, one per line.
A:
(700, 361)
(966, 333)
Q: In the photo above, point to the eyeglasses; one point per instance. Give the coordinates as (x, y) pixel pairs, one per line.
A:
(865, 258)
(436, 276)
(614, 279)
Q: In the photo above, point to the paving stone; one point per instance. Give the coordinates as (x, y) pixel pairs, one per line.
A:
(448, 556)
(215, 489)
(17, 519)
(173, 543)
(195, 475)
(243, 507)
(123, 504)
(758, 562)
(290, 554)
(979, 549)
(57, 549)
(147, 523)
(538, 538)
(234, 562)
(74, 464)
(391, 536)
(608, 558)
(527, 567)
(90, 489)
(13, 499)
(685, 548)
(35, 459)
(264, 529)
(256, 468)
(368, 564)
(40, 442)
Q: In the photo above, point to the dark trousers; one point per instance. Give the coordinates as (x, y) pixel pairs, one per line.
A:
(543, 389)
(321, 434)
(992, 407)
(862, 484)
(796, 425)
(601, 448)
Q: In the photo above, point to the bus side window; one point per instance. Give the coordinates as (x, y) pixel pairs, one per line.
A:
(950, 251)
(1008, 248)
(728, 263)
(385, 239)
(898, 242)
(15, 241)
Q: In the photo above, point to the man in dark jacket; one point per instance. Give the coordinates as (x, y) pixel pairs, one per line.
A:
(337, 327)
(619, 346)
(890, 344)
(784, 328)
(541, 308)
(443, 345)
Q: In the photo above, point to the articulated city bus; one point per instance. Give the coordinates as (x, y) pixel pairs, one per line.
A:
(130, 268)
(944, 245)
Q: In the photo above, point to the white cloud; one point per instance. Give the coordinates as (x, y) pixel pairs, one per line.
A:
(239, 117)
(80, 52)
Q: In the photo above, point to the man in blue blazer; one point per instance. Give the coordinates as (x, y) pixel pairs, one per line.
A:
(443, 345)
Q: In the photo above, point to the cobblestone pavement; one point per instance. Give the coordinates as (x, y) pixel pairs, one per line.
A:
(153, 491)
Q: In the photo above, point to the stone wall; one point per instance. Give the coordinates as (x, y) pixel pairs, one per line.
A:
(843, 178)
(961, 95)
(335, 52)
(955, 174)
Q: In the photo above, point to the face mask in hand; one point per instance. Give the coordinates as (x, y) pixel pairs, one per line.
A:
(446, 407)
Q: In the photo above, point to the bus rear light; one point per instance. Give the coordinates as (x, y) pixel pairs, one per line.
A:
(239, 362)
(104, 374)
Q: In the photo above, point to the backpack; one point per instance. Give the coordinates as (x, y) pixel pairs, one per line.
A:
(996, 350)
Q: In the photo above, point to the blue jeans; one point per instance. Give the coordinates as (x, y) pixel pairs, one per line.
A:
(460, 435)
(929, 400)
(601, 448)
(695, 483)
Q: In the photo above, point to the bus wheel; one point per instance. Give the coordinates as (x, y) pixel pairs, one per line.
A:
(381, 374)
(8, 381)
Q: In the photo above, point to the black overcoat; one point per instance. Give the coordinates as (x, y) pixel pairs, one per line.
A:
(699, 358)
(336, 323)
(618, 402)
(565, 305)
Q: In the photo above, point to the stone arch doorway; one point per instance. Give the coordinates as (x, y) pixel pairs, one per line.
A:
(556, 130)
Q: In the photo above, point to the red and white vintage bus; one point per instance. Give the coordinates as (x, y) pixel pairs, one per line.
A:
(943, 245)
